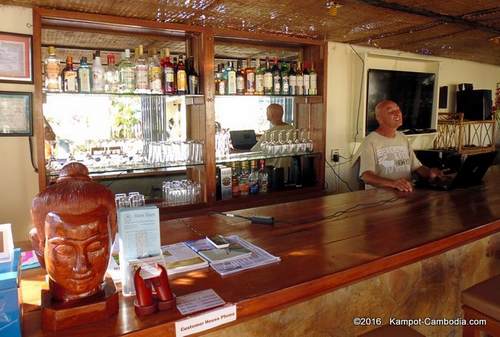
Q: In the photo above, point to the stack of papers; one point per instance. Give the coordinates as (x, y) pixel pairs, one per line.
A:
(259, 257)
(243, 256)
(180, 258)
(233, 252)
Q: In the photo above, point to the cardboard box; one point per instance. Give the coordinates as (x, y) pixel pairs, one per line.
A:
(224, 182)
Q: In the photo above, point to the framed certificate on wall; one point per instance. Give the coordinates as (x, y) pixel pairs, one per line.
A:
(16, 60)
(16, 114)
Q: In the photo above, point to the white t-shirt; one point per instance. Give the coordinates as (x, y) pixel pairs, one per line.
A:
(391, 158)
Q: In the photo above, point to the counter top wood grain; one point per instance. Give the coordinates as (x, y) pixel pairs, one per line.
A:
(380, 231)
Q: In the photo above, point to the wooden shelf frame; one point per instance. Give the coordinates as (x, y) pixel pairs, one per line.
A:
(311, 110)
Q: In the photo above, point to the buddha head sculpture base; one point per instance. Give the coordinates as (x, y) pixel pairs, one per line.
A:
(75, 222)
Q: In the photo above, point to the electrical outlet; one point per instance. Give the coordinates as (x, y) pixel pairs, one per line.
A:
(335, 155)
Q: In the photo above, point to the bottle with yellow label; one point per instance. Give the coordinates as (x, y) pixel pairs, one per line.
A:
(181, 77)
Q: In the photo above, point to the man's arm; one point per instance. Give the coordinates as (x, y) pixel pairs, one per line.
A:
(428, 173)
(369, 177)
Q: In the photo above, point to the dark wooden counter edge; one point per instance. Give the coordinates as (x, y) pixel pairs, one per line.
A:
(270, 302)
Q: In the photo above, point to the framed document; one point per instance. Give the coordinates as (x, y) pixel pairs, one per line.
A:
(16, 114)
(16, 60)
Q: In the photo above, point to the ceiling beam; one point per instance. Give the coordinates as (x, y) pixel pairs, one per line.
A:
(434, 15)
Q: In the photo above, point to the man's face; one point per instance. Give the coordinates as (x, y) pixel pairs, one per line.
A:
(390, 116)
(76, 254)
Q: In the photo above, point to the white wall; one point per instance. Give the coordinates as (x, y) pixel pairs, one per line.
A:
(18, 181)
(346, 81)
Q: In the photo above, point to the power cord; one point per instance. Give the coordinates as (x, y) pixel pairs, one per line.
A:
(339, 177)
(30, 141)
(360, 206)
(256, 219)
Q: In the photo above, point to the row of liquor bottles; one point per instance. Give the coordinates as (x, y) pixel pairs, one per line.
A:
(255, 78)
(152, 74)
(241, 179)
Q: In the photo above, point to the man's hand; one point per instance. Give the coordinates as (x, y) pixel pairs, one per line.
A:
(402, 185)
(435, 173)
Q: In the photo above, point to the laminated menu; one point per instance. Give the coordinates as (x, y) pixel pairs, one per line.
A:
(180, 258)
(139, 238)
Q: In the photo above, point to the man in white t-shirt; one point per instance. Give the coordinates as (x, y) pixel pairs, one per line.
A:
(386, 156)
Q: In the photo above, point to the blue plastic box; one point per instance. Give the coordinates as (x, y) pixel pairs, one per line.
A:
(10, 307)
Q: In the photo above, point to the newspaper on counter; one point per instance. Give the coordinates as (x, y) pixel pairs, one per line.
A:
(259, 257)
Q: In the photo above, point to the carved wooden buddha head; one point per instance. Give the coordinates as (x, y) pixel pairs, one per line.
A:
(75, 221)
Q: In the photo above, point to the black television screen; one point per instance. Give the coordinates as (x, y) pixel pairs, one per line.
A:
(412, 91)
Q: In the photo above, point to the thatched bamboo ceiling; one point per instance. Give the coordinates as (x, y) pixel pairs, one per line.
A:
(462, 29)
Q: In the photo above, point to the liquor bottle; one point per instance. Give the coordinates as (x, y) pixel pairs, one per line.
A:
(154, 73)
(292, 79)
(219, 80)
(307, 80)
(240, 79)
(111, 76)
(84, 75)
(235, 179)
(141, 73)
(70, 76)
(313, 77)
(285, 79)
(300, 81)
(259, 78)
(97, 74)
(276, 77)
(193, 78)
(243, 178)
(127, 74)
(253, 178)
(263, 177)
(250, 78)
(231, 80)
(181, 77)
(268, 79)
(52, 70)
(169, 75)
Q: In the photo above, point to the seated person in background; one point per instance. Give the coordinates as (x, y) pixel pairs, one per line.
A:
(274, 114)
(386, 156)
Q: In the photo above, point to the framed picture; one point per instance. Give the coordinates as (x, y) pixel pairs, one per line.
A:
(16, 113)
(16, 60)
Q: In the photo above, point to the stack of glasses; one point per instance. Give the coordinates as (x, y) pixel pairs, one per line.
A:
(181, 192)
(175, 153)
(133, 199)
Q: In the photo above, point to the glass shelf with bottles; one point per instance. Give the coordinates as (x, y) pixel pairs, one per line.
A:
(254, 77)
(142, 74)
(132, 156)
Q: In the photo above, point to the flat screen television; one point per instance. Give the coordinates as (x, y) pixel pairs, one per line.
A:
(412, 91)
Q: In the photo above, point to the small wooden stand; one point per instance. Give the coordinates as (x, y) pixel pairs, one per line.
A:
(57, 316)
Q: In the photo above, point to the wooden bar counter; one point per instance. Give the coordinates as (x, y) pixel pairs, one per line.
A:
(322, 251)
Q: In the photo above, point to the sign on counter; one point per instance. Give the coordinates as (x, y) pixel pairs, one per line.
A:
(206, 320)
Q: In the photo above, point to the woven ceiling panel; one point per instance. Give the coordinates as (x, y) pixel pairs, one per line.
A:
(451, 7)
(91, 40)
(355, 21)
(461, 46)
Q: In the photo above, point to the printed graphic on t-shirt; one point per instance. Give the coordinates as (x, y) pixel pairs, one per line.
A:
(393, 160)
